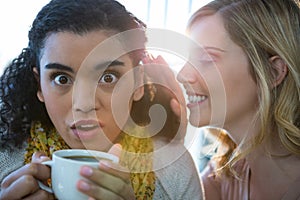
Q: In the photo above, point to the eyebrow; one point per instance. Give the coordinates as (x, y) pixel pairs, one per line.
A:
(59, 66)
(110, 64)
(213, 48)
(203, 49)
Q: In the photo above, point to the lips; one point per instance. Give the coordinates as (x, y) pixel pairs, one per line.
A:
(195, 99)
(86, 129)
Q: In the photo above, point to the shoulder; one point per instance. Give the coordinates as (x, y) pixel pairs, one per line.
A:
(10, 160)
(226, 186)
(211, 183)
(177, 175)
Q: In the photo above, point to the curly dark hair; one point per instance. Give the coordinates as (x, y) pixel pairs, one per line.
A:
(18, 85)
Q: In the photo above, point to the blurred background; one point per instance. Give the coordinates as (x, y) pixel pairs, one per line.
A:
(16, 17)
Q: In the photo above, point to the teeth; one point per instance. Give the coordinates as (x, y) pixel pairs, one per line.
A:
(196, 98)
(87, 126)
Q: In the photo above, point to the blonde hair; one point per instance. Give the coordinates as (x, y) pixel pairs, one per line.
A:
(265, 28)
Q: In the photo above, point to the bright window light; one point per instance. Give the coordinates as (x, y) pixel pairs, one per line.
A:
(16, 17)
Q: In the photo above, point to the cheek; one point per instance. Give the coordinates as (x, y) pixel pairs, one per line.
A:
(58, 106)
(57, 111)
(118, 109)
(110, 111)
(242, 95)
(121, 102)
(240, 85)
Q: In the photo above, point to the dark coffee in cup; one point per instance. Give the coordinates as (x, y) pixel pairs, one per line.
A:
(83, 158)
(65, 167)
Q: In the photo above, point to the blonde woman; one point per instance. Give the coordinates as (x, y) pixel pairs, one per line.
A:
(253, 47)
(66, 91)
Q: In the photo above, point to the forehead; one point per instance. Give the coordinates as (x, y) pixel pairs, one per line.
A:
(72, 49)
(209, 31)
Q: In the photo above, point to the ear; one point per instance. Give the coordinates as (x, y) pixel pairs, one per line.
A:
(39, 93)
(279, 70)
(139, 77)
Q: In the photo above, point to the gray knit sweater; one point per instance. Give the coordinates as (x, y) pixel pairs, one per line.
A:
(178, 179)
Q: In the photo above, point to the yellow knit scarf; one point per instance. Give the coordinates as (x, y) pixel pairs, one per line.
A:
(136, 156)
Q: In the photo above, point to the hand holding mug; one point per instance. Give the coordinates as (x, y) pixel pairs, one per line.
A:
(65, 168)
(24, 181)
(109, 181)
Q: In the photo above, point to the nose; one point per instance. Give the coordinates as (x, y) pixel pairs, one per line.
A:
(187, 74)
(83, 98)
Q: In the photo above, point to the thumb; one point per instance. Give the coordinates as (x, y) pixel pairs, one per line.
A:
(160, 60)
(175, 106)
(116, 150)
(39, 157)
(181, 116)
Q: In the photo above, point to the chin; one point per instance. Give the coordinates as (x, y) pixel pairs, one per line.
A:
(197, 121)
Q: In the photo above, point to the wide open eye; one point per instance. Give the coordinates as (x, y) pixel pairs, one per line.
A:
(62, 79)
(108, 78)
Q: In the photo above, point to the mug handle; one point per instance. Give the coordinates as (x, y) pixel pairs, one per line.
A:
(42, 185)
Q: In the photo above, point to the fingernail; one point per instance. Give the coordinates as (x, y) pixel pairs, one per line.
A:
(86, 171)
(84, 186)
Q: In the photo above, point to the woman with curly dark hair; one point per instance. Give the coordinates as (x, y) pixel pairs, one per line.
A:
(71, 88)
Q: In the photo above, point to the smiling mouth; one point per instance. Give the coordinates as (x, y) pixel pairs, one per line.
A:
(196, 98)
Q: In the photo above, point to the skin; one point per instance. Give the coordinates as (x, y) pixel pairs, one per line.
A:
(24, 181)
(58, 82)
(228, 59)
(70, 50)
(221, 60)
(160, 73)
(59, 76)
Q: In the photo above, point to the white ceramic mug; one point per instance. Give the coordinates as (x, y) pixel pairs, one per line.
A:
(65, 166)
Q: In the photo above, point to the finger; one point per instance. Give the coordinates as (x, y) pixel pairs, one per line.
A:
(176, 107)
(97, 192)
(36, 170)
(116, 150)
(181, 113)
(108, 178)
(148, 58)
(161, 60)
(107, 175)
(114, 169)
(40, 194)
(21, 187)
(39, 157)
(179, 110)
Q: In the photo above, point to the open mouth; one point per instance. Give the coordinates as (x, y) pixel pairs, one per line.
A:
(86, 129)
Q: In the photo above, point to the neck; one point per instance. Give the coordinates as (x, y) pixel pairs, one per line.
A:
(243, 129)
(271, 148)
(271, 157)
